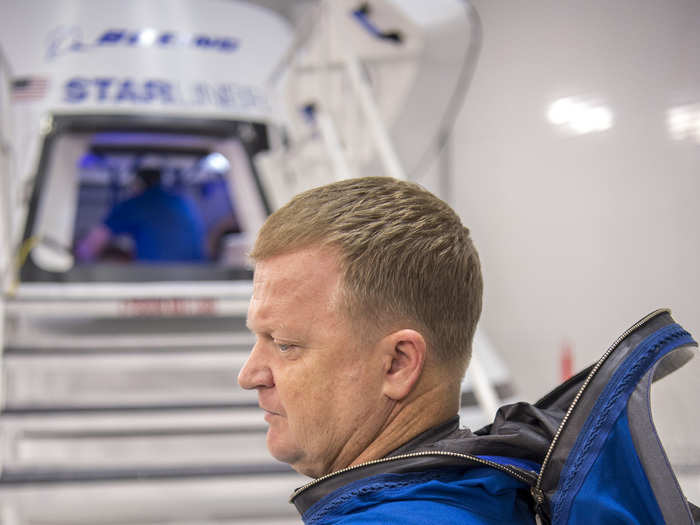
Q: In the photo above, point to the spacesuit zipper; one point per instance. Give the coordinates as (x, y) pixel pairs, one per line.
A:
(503, 468)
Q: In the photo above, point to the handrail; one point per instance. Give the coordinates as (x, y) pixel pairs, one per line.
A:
(6, 183)
(301, 37)
(385, 148)
(6, 213)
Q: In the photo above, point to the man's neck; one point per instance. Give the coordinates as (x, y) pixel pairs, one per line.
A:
(433, 407)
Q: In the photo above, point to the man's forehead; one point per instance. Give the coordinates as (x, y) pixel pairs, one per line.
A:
(311, 273)
(280, 279)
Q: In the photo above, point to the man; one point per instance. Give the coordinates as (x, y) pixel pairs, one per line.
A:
(366, 296)
(164, 226)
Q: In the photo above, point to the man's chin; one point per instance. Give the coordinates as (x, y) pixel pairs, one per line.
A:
(282, 449)
(292, 455)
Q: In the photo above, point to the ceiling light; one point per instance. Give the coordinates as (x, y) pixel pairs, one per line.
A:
(683, 122)
(147, 37)
(579, 116)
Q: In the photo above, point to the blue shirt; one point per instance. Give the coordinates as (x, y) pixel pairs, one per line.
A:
(164, 226)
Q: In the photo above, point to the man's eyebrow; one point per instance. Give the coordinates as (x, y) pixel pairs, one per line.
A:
(251, 328)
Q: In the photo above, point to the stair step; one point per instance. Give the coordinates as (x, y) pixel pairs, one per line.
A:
(236, 499)
(125, 379)
(142, 441)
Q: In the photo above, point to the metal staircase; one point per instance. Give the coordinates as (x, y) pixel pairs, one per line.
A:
(133, 419)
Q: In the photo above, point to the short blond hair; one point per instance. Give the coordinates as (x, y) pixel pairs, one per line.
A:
(404, 254)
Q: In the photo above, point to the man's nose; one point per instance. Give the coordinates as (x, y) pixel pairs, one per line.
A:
(256, 372)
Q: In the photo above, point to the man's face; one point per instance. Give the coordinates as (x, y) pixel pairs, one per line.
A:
(318, 380)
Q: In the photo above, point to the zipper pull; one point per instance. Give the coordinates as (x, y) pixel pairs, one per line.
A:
(538, 496)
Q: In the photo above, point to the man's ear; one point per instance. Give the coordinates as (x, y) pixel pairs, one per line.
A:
(404, 359)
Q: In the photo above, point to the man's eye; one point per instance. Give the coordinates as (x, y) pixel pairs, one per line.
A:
(284, 347)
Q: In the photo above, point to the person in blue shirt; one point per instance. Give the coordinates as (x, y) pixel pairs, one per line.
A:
(164, 226)
(366, 295)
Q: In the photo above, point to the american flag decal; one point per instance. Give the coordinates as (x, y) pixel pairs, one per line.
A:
(29, 88)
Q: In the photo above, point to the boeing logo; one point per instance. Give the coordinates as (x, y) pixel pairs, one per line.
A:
(64, 40)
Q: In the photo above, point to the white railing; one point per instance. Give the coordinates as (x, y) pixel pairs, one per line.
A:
(6, 215)
(325, 72)
(330, 68)
(6, 218)
(363, 92)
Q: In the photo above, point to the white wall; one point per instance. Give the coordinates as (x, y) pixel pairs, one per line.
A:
(580, 236)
